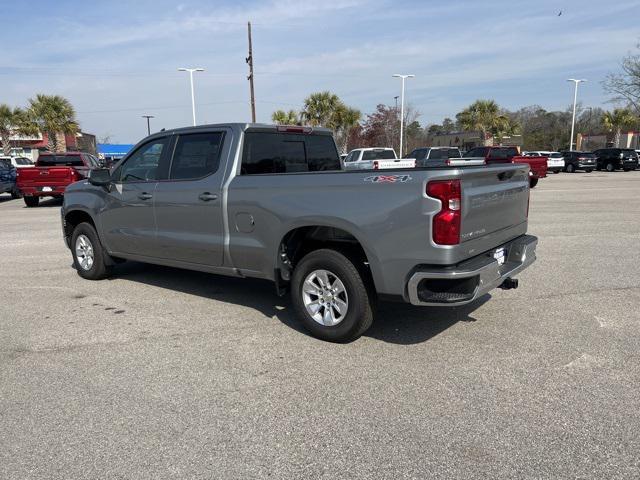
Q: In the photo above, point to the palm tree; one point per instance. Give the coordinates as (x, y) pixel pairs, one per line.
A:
(13, 121)
(484, 116)
(53, 115)
(342, 121)
(319, 108)
(617, 120)
(280, 117)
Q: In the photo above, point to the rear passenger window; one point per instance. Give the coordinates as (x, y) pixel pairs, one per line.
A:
(196, 155)
(265, 152)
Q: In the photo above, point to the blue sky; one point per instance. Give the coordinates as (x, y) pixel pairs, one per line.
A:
(118, 60)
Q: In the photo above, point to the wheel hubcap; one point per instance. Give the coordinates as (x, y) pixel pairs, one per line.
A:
(325, 297)
(84, 252)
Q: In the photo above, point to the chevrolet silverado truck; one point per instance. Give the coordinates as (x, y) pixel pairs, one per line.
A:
(493, 155)
(272, 202)
(52, 173)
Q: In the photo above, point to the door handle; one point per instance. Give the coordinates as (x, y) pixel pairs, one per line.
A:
(145, 196)
(206, 196)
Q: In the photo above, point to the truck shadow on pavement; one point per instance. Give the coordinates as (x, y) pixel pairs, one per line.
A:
(397, 323)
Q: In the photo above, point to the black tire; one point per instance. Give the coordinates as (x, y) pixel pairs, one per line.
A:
(31, 201)
(16, 194)
(571, 168)
(360, 299)
(626, 169)
(556, 171)
(99, 268)
(533, 182)
(610, 167)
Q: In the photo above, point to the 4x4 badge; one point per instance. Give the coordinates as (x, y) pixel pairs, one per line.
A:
(388, 178)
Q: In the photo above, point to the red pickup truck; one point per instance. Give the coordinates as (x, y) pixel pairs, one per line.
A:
(537, 165)
(52, 173)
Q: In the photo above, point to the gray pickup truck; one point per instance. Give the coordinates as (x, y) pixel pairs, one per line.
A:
(251, 200)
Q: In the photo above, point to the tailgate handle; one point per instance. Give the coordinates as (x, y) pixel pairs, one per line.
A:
(505, 175)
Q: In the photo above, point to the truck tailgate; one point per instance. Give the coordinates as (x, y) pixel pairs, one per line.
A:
(494, 199)
(45, 176)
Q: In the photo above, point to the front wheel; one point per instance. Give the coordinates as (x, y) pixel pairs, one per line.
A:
(31, 201)
(88, 255)
(610, 167)
(331, 297)
(16, 194)
(589, 170)
(556, 171)
(533, 182)
(571, 168)
(626, 169)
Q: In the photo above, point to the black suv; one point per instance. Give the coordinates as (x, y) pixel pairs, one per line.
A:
(612, 159)
(575, 160)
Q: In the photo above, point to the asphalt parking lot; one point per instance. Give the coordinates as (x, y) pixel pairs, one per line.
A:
(163, 373)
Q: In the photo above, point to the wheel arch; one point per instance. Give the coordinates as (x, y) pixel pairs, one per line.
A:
(304, 237)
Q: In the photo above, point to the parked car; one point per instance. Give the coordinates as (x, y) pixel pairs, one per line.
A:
(555, 160)
(611, 159)
(363, 158)
(18, 162)
(575, 160)
(52, 173)
(269, 202)
(8, 178)
(493, 155)
(442, 157)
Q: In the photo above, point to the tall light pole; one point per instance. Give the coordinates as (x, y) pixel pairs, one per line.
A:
(193, 100)
(403, 77)
(575, 100)
(148, 125)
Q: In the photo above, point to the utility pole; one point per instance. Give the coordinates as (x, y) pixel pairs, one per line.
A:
(148, 125)
(249, 60)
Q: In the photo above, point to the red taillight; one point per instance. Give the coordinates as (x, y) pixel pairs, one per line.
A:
(446, 223)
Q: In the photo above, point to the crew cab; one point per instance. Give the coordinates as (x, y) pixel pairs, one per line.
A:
(611, 159)
(272, 202)
(8, 178)
(52, 173)
(493, 155)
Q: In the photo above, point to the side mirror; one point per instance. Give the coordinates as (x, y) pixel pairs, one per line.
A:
(100, 177)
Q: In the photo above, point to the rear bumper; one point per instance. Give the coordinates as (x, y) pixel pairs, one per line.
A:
(463, 283)
(30, 191)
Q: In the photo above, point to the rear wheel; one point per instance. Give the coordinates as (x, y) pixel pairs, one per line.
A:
(31, 201)
(89, 258)
(556, 171)
(626, 169)
(533, 182)
(16, 193)
(589, 170)
(331, 297)
(610, 167)
(571, 168)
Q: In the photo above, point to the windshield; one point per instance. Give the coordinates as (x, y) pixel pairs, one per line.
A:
(60, 160)
(378, 155)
